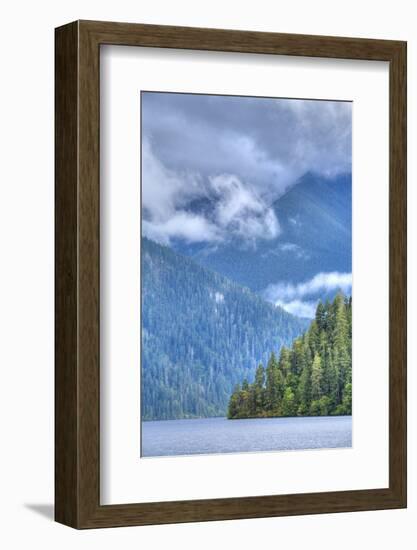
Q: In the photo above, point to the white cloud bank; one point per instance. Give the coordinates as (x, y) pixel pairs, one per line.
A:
(243, 153)
(240, 211)
(298, 298)
(269, 142)
(236, 210)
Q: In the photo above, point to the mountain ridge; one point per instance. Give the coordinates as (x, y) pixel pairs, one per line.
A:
(315, 220)
(201, 333)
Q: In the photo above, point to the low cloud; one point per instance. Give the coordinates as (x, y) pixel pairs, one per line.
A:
(301, 299)
(233, 208)
(299, 308)
(182, 225)
(295, 249)
(164, 191)
(197, 146)
(287, 250)
(320, 282)
(240, 211)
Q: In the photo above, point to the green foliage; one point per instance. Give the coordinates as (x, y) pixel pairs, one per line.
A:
(289, 405)
(313, 378)
(201, 335)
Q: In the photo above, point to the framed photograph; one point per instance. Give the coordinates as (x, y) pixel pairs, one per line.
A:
(230, 274)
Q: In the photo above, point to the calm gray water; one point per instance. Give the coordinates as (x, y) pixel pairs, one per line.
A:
(219, 435)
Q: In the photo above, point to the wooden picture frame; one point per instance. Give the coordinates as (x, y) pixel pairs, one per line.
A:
(77, 374)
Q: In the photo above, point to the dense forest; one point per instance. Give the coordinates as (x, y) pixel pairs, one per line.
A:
(201, 335)
(312, 378)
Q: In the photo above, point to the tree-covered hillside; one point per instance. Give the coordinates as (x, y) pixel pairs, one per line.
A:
(312, 378)
(201, 335)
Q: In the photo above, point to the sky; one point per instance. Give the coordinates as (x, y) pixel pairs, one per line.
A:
(212, 166)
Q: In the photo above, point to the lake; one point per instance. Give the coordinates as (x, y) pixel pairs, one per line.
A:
(219, 435)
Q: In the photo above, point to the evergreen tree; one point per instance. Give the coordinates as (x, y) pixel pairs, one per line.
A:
(288, 403)
(313, 377)
(316, 378)
(274, 384)
(321, 316)
(259, 390)
(285, 361)
(304, 391)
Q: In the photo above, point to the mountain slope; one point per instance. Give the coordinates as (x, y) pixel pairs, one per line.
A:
(315, 221)
(201, 334)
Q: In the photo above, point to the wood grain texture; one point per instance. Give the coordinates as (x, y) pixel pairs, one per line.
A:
(398, 273)
(66, 236)
(78, 285)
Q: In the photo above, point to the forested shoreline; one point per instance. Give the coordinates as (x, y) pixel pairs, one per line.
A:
(312, 378)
